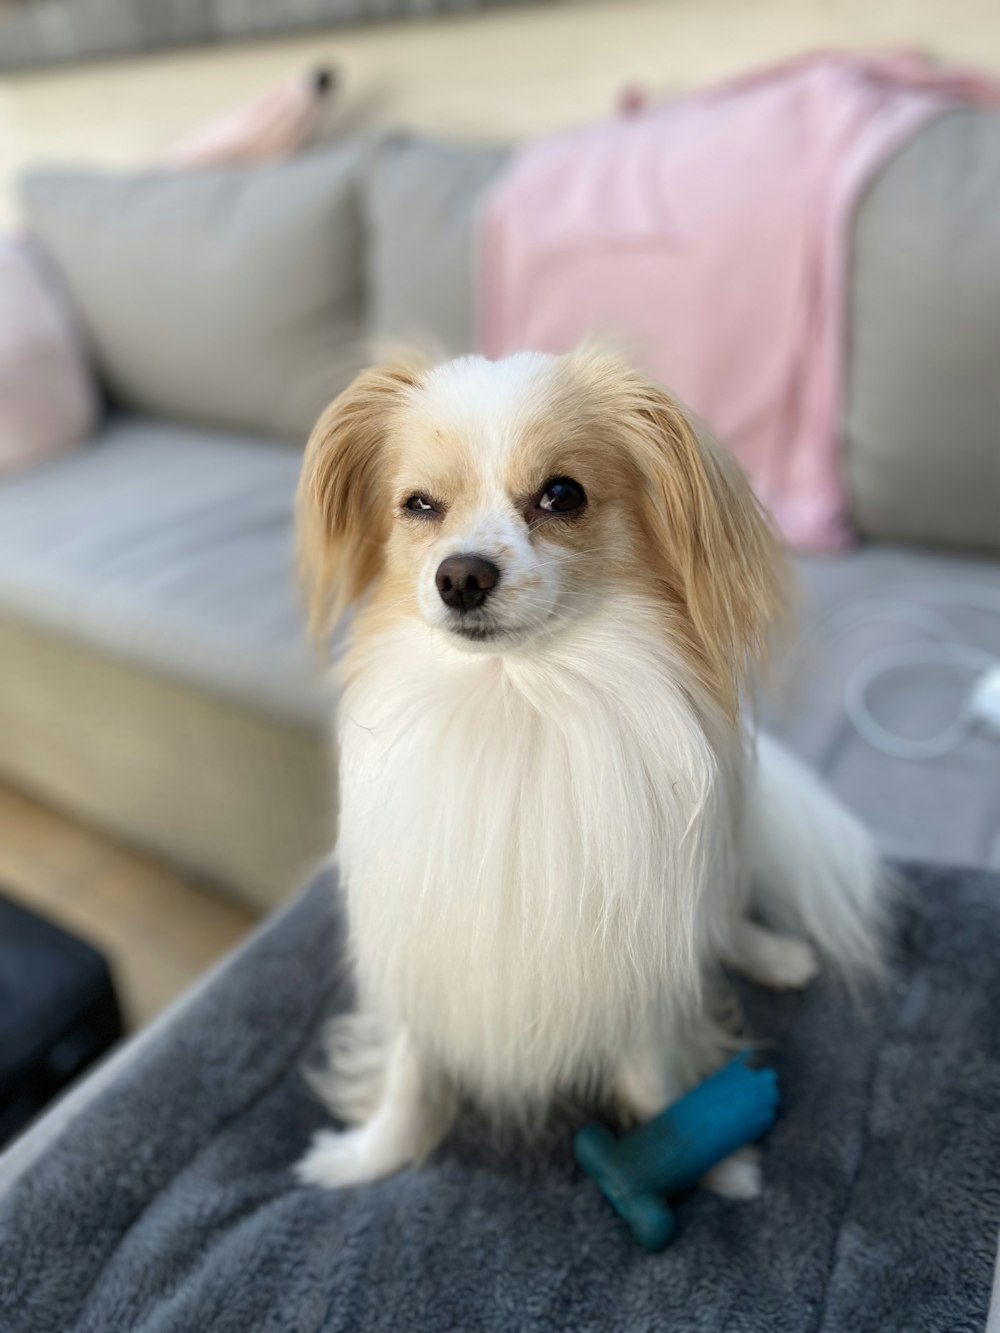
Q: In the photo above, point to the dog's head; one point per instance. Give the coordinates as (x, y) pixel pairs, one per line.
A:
(503, 501)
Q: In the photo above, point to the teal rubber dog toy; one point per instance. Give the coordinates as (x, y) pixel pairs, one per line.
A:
(670, 1153)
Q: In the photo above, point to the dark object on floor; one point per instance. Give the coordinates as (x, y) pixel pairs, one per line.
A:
(58, 1013)
(168, 1203)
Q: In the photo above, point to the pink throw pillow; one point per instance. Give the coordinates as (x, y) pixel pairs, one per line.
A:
(48, 395)
(274, 125)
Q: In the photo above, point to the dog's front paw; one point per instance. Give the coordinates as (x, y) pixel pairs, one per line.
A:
(335, 1160)
(738, 1177)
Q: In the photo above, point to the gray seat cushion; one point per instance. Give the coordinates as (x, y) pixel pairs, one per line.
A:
(171, 548)
(864, 603)
(923, 412)
(422, 201)
(230, 297)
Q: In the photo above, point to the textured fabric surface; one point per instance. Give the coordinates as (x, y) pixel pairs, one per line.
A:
(880, 600)
(244, 800)
(923, 439)
(422, 202)
(711, 234)
(48, 395)
(170, 548)
(229, 297)
(167, 1203)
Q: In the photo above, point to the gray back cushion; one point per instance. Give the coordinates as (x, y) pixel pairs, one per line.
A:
(422, 201)
(229, 297)
(923, 418)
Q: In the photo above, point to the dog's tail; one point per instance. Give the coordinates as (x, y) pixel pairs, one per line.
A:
(815, 870)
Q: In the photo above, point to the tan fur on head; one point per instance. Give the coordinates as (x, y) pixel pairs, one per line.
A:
(716, 555)
(342, 512)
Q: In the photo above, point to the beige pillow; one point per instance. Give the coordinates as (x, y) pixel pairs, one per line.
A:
(48, 398)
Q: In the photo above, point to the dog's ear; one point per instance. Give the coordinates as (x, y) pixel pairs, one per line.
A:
(342, 510)
(715, 550)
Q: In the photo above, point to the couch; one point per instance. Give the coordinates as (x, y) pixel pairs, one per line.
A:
(154, 677)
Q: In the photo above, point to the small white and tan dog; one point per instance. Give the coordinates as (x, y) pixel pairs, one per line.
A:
(556, 828)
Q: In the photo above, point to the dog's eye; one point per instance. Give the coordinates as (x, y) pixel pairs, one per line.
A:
(562, 495)
(422, 505)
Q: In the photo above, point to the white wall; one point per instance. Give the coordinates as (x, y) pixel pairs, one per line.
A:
(505, 74)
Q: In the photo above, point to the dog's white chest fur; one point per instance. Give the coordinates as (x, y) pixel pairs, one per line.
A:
(525, 843)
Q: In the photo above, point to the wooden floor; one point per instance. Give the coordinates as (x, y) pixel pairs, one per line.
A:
(158, 929)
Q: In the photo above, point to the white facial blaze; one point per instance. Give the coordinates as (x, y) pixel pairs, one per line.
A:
(488, 403)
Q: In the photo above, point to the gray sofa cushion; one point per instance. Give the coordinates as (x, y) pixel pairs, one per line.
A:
(167, 1203)
(923, 417)
(170, 548)
(230, 297)
(422, 200)
(866, 602)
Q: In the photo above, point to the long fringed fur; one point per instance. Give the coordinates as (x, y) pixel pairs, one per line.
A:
(561, 864)
(815, 869)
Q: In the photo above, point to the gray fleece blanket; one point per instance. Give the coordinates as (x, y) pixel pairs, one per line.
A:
(168, 1206)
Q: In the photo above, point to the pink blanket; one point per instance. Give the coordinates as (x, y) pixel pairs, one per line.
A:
(710, 233)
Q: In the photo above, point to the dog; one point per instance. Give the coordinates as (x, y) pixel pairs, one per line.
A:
(558, 829)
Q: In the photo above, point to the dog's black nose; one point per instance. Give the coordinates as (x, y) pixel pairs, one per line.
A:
(465, 581)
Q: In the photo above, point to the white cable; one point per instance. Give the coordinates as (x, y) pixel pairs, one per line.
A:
(883, 662)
